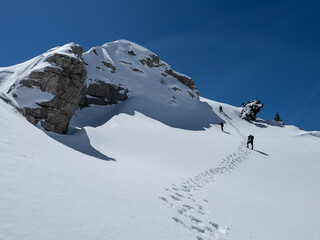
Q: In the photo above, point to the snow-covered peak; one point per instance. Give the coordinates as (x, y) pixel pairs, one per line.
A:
(140, 70)
(153, 87)
(127, 45)
(116, 71)
(67, 49)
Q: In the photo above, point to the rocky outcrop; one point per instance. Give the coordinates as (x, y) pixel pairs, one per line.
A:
(110, 65)
(152, 61)
(59, 77)
(183, 79)
(250, 110)
(66, 83)
(102, 93)
(137, 70)
(131, 52)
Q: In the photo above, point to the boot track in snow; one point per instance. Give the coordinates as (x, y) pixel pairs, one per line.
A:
(190, 213)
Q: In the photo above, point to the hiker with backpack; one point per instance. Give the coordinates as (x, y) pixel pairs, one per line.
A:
(250, 141)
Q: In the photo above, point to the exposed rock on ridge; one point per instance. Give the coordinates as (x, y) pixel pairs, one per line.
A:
(66, 83)
(101, 93)
(184, 79)
(154, 61)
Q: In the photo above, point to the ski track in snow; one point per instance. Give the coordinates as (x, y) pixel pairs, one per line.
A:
(190, 213)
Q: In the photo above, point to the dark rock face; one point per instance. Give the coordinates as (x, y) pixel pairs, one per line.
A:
(152, 61)
(183, 79)
(66, 83)
(110, 65)
(176, 89)
(124, 62)
(102, 93)
(5, 99)
(137, 70)
(131, 52)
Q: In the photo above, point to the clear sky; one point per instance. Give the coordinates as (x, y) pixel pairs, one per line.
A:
(235, 50)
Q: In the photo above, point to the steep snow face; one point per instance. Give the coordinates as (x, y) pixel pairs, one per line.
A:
(154, 89)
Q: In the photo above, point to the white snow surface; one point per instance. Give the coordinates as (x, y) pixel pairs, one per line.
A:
(156, 166)
(137, 177)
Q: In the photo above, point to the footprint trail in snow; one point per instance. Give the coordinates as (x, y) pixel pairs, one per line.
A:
(189, 212)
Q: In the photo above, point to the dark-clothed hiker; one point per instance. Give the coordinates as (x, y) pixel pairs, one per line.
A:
(221, 125)
(220, 109)
(250, 141)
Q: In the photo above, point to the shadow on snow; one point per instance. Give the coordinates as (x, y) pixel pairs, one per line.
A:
(80, 142)
(196, 116)
(261, 152)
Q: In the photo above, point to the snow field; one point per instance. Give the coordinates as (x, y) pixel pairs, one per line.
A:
(156, 166)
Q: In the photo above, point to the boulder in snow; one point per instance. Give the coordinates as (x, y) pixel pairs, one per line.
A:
(250, 110)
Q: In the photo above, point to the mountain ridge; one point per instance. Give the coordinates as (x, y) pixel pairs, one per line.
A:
(50, 87)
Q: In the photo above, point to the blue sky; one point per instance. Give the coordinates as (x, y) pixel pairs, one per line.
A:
(236, 50)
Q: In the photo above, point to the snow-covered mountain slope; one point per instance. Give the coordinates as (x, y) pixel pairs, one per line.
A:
(48, 89)
(139, 177)
(144, 157)
(154, 89)
(126, 63)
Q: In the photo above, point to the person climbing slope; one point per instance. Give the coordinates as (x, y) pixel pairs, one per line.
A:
(250, 141)
(221, 125)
